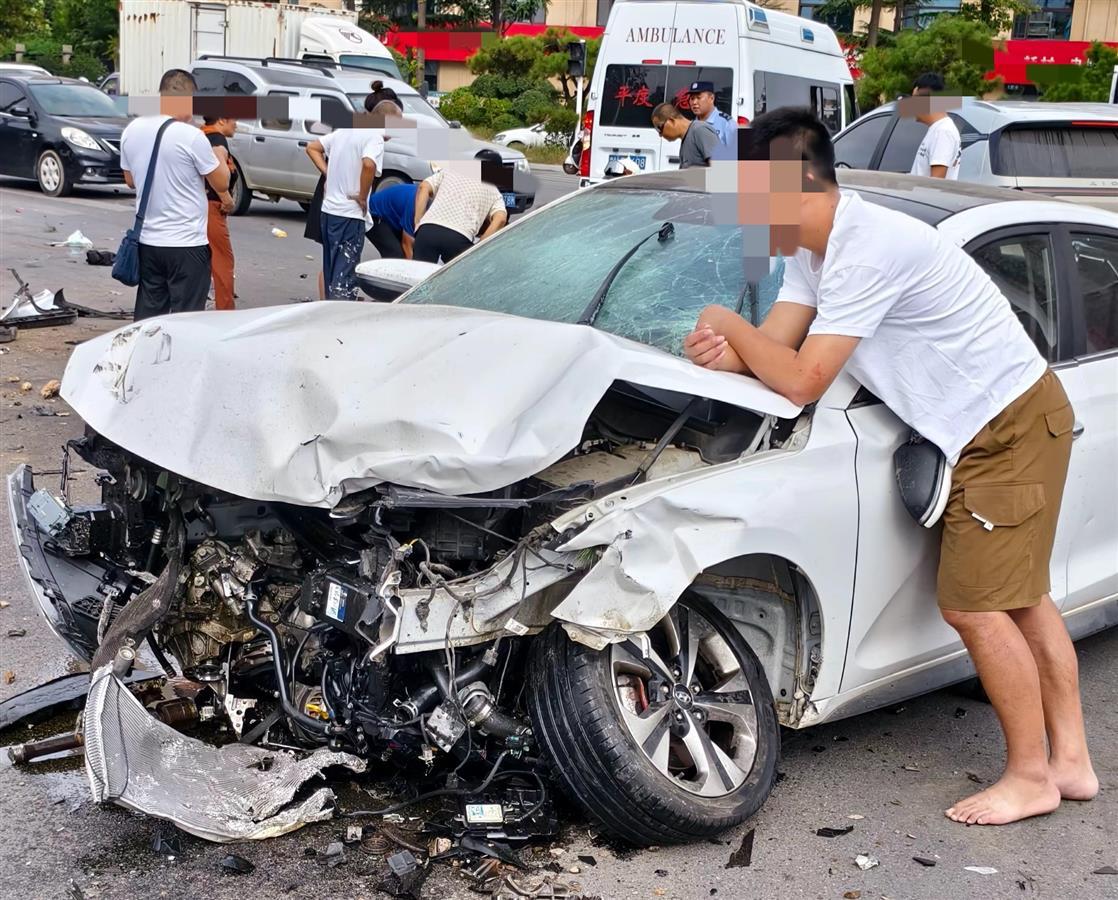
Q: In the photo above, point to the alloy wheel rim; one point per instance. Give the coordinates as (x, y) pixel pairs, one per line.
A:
(49, 173)
(685, 699)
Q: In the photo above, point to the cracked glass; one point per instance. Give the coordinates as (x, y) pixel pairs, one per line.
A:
(550, 265)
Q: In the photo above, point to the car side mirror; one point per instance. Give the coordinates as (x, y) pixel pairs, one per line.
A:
(454, 123)
(21, 112)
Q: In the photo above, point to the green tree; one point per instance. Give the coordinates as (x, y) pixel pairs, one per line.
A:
(89, 26)
(540, 58)
(21, 18)
(998, 15)
(1092, 84)
(951, 45)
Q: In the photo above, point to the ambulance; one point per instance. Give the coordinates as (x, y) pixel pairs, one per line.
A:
(652, 50)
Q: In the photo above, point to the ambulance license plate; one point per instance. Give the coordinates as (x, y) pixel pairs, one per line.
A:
(639, 160)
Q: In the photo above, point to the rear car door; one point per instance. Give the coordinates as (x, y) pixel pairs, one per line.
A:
(1091, 380)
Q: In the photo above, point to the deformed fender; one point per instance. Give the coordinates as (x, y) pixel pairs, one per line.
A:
(801, 506)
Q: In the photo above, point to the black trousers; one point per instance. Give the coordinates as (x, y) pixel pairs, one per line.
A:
(386, 239)
(433, 241)
(172, 280)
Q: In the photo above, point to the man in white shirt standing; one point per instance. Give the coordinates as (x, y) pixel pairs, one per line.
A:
(927, 331)
(174, 250)
(350, 158)
(942, 148)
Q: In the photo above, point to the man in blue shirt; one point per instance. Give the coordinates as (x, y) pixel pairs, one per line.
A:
(701, 97)
(393, 214)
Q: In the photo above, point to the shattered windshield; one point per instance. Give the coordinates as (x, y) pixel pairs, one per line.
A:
(550, 265)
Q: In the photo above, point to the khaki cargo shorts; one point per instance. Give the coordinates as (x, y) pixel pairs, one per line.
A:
(1000, 521)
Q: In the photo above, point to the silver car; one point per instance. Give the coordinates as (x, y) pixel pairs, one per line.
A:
(271, 152)
(1063, 150)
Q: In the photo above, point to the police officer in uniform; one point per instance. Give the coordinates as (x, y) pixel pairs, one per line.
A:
(701, 96)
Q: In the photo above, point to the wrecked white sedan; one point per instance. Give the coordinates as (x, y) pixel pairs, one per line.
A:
(502, 519)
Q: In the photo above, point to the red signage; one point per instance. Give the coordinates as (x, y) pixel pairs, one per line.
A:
(1012, 58)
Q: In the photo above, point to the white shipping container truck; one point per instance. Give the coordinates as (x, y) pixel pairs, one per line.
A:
(157, 35)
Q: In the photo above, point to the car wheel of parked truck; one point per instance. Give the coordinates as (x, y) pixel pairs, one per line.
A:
(242, 196)
(698, 742)
(391, 180)
(51, 175)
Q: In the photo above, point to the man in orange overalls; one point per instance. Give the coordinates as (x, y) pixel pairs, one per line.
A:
(218, 131)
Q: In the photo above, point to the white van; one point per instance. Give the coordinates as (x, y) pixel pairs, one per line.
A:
(757, 59)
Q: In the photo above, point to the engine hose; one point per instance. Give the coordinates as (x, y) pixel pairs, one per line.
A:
(482, 713)
(471, 673)
(313, 725)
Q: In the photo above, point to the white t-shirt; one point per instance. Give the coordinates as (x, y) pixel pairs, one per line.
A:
(345, 150)
(177, 211)
(461, 203)
(942, 146)
(940, 344)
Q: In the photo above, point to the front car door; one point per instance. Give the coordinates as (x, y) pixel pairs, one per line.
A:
(896, 630)
(857, 146)
(1091, 381)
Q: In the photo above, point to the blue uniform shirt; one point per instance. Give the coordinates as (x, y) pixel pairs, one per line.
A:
(396, 206)
(721, 123)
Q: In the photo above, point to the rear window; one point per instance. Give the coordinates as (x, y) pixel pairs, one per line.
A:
(1055, 151)
(630, 92)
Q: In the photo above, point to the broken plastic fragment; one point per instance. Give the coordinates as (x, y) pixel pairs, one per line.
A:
(743, 856)
(237, 865)
(981, 870)
(834, 832)
(220, 794)
(1105, 870)
(925, 861)
(866, 862)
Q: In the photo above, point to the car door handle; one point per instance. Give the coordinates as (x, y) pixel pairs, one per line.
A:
(673, 159)
(1077, 430)
(303, 143)
(259, 140)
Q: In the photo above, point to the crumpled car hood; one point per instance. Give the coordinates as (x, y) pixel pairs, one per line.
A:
(308, 403)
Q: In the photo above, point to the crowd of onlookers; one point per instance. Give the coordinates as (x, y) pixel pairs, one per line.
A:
(184, 177)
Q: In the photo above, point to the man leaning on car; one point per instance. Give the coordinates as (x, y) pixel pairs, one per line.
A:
(925, 330)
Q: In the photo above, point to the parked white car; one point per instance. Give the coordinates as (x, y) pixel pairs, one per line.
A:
(505, 506)
(532, 136)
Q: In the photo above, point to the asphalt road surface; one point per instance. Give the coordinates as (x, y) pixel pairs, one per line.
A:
(889, 774)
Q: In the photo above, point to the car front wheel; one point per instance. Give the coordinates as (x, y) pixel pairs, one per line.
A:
(242, 196)
(668, 737)
(51, 175)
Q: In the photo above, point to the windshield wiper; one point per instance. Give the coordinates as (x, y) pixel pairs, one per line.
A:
(663, 234)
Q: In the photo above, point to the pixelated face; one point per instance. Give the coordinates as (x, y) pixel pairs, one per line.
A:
(921, 105)
(771, 194)
(178, 107)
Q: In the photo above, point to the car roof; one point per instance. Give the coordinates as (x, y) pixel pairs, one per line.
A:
(930, 200)
(292, 73)
(991, 115)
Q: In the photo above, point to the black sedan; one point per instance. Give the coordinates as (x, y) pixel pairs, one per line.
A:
(59, 132)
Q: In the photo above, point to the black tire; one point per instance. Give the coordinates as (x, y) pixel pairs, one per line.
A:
(242, 196)
(390, 181)
(51, 175)
(578, 721)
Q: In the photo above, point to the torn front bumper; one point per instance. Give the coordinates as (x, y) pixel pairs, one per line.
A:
(52, 577)
(231, 793)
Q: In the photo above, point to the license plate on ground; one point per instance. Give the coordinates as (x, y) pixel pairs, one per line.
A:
(510, 199)
(640, 160)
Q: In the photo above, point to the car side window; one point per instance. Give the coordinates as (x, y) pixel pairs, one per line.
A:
(10, 96)
(208, 80)
(270, 118)
(1022, 268)
(236, 83)
(1096, 262)
(900, 149)
(855, 148)
(334, 113)
(825, 105)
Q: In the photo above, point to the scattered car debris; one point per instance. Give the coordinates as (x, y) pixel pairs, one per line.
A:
(237, 865)
(100, 257)
(279, 232)
(405, 875)
(335, 854)
(855, 817)
(50, 389)
(34, 311)
(38, 409)
(1105, 870)
(981, 870)
(925, 861)
(22, 754)
(590, 860)
(960, 712)
(866, 862)
(977, 779)
(851, 895)
(912, 768)
(354, 834)
(828, 832)
(75, 241)
(9, 677)
(743, 856)
(167, 842)
(17, 632)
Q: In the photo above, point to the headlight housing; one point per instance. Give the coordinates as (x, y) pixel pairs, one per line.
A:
(79, 138)
(497, 138)
(522, 165)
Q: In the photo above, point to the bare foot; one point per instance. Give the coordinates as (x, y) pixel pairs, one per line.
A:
(1075, 781)
(1010, 799)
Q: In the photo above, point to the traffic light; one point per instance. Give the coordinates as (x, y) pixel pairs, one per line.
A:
(576, 59)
